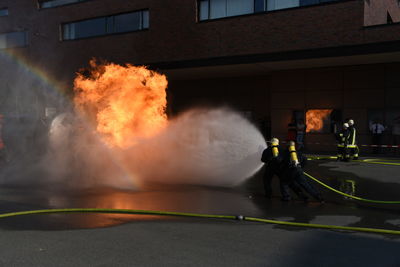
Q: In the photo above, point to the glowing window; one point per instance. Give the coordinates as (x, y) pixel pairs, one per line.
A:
(318, 121)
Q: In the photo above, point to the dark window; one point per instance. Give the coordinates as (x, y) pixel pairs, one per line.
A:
(214, 9)
(13, 39)
(3, 12)
(217, 9)
(308, 2)
(392, 119)
(259, 5)
(375, 115)
(145, 19)
(56, 3)
(239, 7)
(128, 22)
(281, 4)
(89, 28)
(204, 9)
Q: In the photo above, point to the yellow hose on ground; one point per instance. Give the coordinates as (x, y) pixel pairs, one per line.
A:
(213, 216)
(371, 161)
(198, 215)
(378, 162)
(350, 196)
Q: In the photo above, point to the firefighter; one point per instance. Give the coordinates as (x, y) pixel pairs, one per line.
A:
(273, 159)
(352, 143)
(343, 139)
(293, 164)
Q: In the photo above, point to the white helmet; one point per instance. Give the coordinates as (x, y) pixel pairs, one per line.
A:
(275, 141)
(345, 125)
(351, 122)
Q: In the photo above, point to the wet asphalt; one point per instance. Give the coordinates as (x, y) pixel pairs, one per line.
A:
(141, 240)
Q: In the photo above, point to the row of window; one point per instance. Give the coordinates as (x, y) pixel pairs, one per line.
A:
(232, 7)
(128, 22)
(46, 4)
(56, 3)
(139, 20)
(214, 9)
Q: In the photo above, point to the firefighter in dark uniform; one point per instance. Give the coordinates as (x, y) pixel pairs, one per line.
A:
(273, 159)
(293, 163)
(343, 139)
(352, 143)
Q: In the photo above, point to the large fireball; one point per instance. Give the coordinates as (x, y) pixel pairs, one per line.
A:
(126, 103)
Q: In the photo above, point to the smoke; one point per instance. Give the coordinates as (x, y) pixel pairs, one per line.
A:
(217, 147)
(24, 96)
(78, 158)
(202, 146)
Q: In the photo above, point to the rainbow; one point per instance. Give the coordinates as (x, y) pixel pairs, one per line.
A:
(36, 72)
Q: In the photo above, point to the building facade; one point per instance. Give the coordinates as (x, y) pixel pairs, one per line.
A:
(274, 60)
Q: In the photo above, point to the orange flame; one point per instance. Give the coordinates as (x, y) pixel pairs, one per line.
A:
(315, 119)
(126, 103)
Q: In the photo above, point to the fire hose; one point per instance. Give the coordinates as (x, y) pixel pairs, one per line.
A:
(199, 215)
(229, 217)
(370, 161)
(351, 196)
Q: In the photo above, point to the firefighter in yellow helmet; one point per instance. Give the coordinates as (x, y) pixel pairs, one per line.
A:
(293, 163)
(273, 159)
(343, 140)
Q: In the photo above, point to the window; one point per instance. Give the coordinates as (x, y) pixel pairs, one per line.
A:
(308, 2)
(281, 4)
(3, 12)
(127, 22)
(323, 120)
(13, 39)
(259, 5)
(214, 9)
(392, 121)
(238, 7)
(55, 3)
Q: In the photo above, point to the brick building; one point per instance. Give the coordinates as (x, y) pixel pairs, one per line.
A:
(273, 59)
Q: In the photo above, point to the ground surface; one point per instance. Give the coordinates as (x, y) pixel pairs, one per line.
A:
(131, 240)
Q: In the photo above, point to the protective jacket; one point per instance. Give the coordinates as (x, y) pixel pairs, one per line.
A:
(343, 136)
(352, 136)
